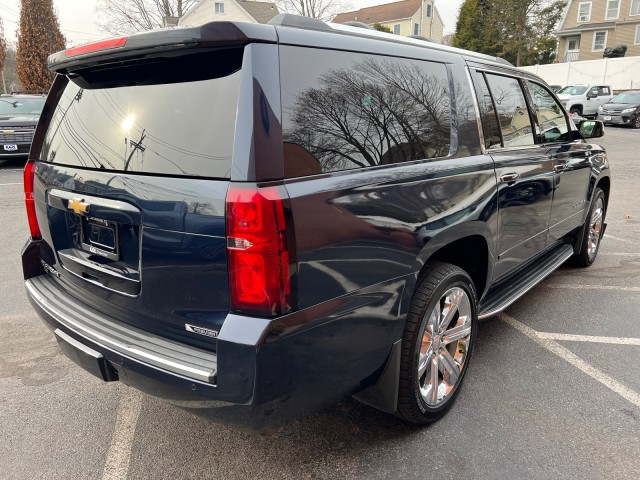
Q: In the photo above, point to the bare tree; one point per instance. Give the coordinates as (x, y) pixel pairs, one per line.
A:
(322, 9)
(376, 112)
(129, 16)
(447, 39)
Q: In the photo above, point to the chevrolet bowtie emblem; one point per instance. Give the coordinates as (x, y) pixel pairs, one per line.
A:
(78, 206)
(7, 132)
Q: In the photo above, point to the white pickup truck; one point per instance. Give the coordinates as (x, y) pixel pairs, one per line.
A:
(584, 99)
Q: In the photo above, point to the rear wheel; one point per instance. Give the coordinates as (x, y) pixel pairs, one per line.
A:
(437, 343)
(594, 227)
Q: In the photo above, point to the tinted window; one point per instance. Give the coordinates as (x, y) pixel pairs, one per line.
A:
(572, 90)
(21, 105)
(511, 107)
(344, 110)
(626, 97)
(551, 123)
(490, 126)
(180, 128)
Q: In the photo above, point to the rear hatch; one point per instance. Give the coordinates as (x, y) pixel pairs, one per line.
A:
(135, 166)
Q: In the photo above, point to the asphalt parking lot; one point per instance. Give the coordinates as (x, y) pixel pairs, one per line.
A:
(553, 390)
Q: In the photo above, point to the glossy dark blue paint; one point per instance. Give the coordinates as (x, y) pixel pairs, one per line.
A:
(178, 249)
(390, 219)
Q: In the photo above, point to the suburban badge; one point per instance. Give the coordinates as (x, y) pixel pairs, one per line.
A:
(200, 330)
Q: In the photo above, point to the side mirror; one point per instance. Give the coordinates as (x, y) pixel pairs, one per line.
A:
(591, 129)
(591, 95)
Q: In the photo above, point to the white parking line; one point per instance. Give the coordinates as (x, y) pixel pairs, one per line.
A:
(574, 286)
(618, 238)
(620, 254)
(3, 184)
(119, 454)
(589, 338)
(554, 347)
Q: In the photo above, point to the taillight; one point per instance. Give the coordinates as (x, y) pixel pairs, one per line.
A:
(29, 178)
(96, 46)
(257, 251)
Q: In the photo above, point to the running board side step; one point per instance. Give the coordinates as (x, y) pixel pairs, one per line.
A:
(512, 288)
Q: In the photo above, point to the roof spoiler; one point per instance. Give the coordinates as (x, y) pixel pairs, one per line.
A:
(160, 42)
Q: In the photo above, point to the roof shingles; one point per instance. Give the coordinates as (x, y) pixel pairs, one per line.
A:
(261, 11)
(381, 13)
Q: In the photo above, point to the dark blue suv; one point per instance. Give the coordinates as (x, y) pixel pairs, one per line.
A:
(253, 221)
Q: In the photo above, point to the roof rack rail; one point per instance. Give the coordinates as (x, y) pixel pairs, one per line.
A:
(290, 20)
(359, 25)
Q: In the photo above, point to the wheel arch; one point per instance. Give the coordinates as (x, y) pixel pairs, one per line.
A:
(604, 183)
(469, 246)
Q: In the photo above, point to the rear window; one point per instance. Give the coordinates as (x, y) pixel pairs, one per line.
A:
(174, 117)
(21, 105)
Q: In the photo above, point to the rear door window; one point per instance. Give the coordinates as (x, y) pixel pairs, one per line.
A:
(344, 110)
(158, 118)
(511, 107)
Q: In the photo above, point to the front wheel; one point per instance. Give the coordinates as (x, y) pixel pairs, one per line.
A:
(437, 343)
(593, 231)
(636, 122)
(575, 111)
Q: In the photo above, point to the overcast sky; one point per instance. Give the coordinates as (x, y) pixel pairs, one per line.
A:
(78, 18)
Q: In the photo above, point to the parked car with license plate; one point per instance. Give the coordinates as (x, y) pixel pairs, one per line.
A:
(623, 109)
(19, 115)
(254, 221)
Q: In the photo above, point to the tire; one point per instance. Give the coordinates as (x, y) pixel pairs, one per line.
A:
(575, 111)
(636, 121)
(593, 229)
(426, 360)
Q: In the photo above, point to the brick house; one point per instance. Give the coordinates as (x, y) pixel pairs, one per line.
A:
(408, 17)
(588, 27)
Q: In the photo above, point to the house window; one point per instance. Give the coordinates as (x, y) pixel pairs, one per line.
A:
(584, 12)
(635, 7)
(428, 9)
(613, 9)
(637, 40)
(416, 29)
(599, 41)
(396, 29)
(219, 7)
(573, 44)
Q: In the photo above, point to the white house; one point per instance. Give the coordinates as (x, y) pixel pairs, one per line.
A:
(229, 10)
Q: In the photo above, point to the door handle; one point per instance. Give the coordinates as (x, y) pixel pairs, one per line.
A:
(509, 177)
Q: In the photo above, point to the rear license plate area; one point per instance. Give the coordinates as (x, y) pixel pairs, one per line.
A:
(100, 237)
(85, 357)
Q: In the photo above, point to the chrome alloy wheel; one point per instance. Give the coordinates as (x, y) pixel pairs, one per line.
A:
(444, 348)
(595, 228)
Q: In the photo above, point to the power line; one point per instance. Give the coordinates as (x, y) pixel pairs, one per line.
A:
(10, 9)
(66, 30)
